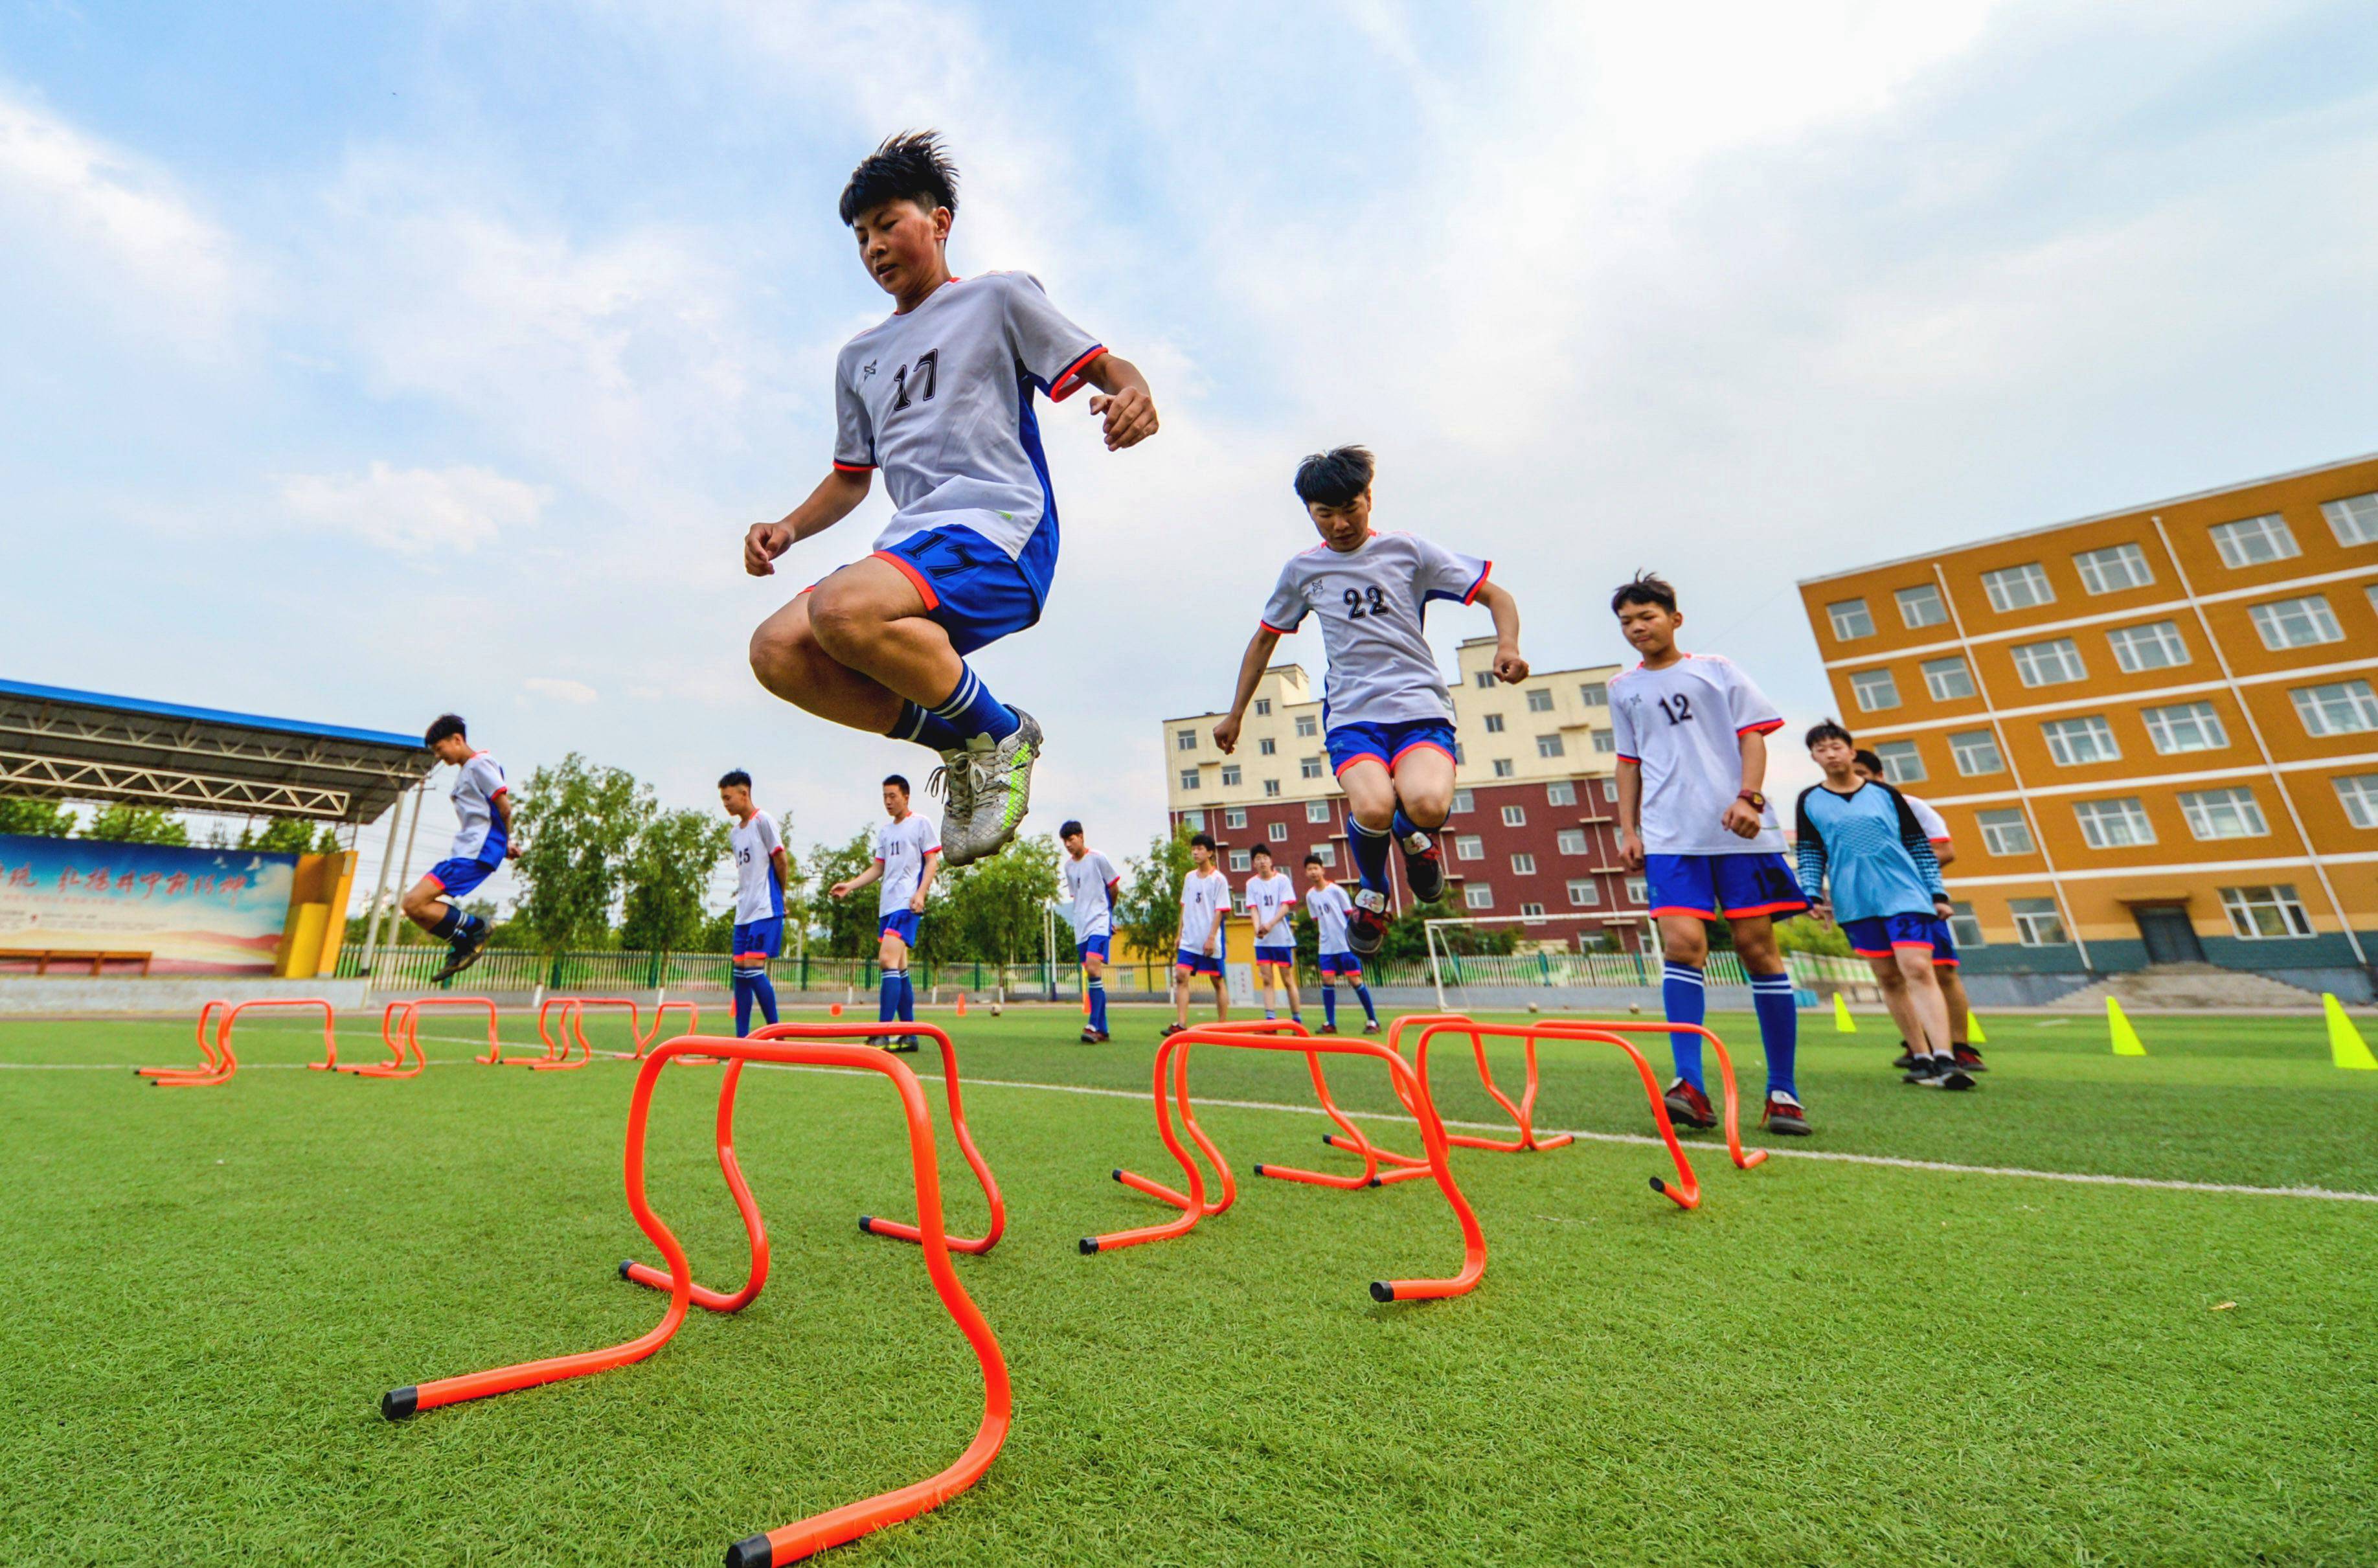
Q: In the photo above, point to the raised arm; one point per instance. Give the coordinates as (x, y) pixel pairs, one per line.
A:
(1508, 666)
(1252, 664)
(836, 496)
(1123, 398)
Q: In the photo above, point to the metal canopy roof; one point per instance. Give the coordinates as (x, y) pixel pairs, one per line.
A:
(60, 744)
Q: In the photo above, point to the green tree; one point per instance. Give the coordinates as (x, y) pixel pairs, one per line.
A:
(1804, 934)
(137, 824)
(41, 819)
(1408, 938)
(993, 909)
(666, 875)
(581, 823)
(1147, 910)
(290, 836)
(842, 928)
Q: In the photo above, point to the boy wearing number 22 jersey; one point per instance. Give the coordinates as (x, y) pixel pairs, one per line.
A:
(1387, 715)
(1691, 733)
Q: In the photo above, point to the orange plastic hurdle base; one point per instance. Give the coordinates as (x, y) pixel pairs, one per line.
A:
(222, 1061)
(805, 1536)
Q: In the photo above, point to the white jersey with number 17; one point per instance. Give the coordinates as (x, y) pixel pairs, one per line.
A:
(1684, 725)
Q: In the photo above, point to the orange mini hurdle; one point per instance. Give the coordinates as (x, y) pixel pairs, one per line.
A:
(804, 1537)
(394, 1017)
(1171, 1090)
(222, 1061)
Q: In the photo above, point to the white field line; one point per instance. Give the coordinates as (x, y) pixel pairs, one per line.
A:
(1890, 1162)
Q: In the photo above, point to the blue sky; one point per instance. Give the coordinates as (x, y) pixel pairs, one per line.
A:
(363, 363)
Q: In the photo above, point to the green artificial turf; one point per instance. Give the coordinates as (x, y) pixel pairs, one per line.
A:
(1829, 1362)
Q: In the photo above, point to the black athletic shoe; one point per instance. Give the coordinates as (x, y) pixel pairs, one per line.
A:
(1167, 1031)
(1923, 1072)
(1969, 1058)
(1906, 1059)
(906, 1042)
(463, 951)
(1424, 868)
(1366, 928)
(1954, 1077)
(1687, 1106)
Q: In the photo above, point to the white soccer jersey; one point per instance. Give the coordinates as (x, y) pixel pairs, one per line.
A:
(1202, 898)
(757, 894)
(1269, 898)
(1086, 886)
(941, 399)
(480, 836)
(1935, 826)
(1372, 601)
(1684, 724)
(901, 848)
(1329, 908)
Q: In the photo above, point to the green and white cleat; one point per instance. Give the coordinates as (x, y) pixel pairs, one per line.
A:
(997, 789)
(953, 781)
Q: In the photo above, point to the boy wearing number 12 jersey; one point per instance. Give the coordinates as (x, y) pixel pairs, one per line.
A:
(1386, 714)
(1691, 733)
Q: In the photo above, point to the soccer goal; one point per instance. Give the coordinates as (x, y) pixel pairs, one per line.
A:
(1465, 980)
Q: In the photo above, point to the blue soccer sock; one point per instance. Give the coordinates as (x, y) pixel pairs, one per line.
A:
(448, 921)
(887, 997)
(1779, 1028)
(1329, 1005)
(926, 727)
(743, 1003)
(1099, 1006)
(1403, 828)
(1363, 992)
(973, 711)
(908, 998)
(764, 990)
(1686, 994)
(1369, 854)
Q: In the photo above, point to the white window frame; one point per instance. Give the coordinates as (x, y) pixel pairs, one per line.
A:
(1523, 863)
(2353, 519)
(1605, 741)
(2305, 622)
(1539, 699)
(1903, 762)
(2164, 728)
(1477, 896)
(1584, 893)
(1277, 833)
(1875, 690)
(1317, 811)
(1189, 779)
(1851, 620)
(1327, 853)
(2082, 740)
(2114, 569)
(1263, 707)
(2035, 926)
(2011, 588)
(1232, 774)
(1463, 800)
(1185, 739)
(1576, 841)
(1312, 767)
(1561, 793)
(1469, 846)
(1594, 693)
(1550, 746)
(1920, 606)
(1307, 725)
(2229, 811)
(1266, 746)
(2255, 541)
(2356, 794)
(2320, 708)
(2119, 823)
(1242, 860)
(2033, 663)
(1271, 788)
(1966, 927)
(1515, 816)
(1531, 912)
(1962, 748)
(1503, 768)
(1234, 816)
(1493, 724)
(2133, 646)
(1942, 677)
(2278, 901)
(1639, 890)
(2005, 832)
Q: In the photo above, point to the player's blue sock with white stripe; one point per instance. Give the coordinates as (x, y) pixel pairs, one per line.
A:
(1403, 828)
(925, 727)
(1369, 854)
(1686, 992)
(887, 997)
(972, 711)
(908, 998)
(1363, 992)
(448, 923)
(1779, 1028)
(1099, 1006)
(1329, 1005)
(764, 991)
(743, 1003)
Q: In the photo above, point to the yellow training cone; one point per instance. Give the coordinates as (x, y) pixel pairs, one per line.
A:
(1843, 1022)
(1974, 1035)
(2345, 1046)
(2126, 1038)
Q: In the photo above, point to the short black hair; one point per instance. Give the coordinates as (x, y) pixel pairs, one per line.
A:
(1262, 850)
(1644, 587)
(1315, 860)
(729, 780)
(1871, 761)
(1067, 828)
(1828, 729)
(1205, 838)
(909, 165)
(1335, 478)
(900, 780)
(444, 726)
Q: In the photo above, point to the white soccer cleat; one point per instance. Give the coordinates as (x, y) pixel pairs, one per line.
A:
(998, 790)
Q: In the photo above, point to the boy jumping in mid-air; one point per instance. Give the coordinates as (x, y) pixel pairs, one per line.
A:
(1388, 716)
(907, 853)
(1205, 904)
(1327, 904)
(940, 397)
(762, 869)
(1269, 898)
(1945, 966)
(483, 840)
(1886, 894)
(1691, 733)
(1090, 883)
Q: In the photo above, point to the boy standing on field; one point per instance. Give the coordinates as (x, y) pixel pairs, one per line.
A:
(1090, 883)
(1270, 897)
(483, 842)
(1204, 902)
(907, 852)
(1886, 894)
(1691, 733)
(1388, 717)
(940, 397)
(762, 869)
(1945, 967)
(1327, 904)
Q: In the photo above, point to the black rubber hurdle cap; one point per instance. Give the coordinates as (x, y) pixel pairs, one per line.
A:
(751, 1551)
(866, 1223)
(1116, 1172)
(1380, 1291)
(625, 1264)
(1259, 1170)
(1089, 1245)
(1378, 1181)
(399, 1403)
(1658, 1185)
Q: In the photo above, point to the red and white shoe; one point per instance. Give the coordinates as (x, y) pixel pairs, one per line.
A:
(1424, 868)
(1366, 928)
(1785, 1114)
(1687, 1106)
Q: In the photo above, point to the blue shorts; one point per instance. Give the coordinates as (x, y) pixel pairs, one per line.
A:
(899, 923)
(971, 587)
(1088, 945)
(458, 877)
(1877, 935)
(759, 938)
(1196, 963)
(1731, 886)
(1386, 743)
(1276, 955)
(1341, 964)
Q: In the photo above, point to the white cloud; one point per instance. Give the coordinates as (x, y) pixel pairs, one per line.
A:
(560, 689)
(416, 510)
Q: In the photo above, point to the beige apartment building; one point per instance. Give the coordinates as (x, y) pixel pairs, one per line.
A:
(2153, 732)
(1532, 845)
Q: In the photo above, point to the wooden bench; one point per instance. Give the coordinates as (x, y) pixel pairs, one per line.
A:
(98, 961)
